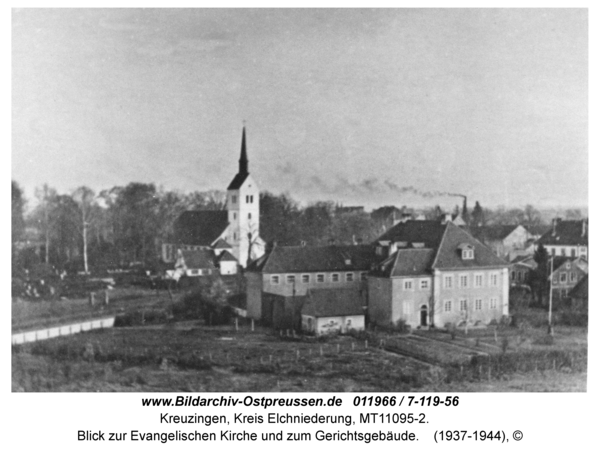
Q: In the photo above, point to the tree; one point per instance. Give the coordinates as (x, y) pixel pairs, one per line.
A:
(17, 212)
(84, 197)
(531, 216)
(477, 216)
(46, 196)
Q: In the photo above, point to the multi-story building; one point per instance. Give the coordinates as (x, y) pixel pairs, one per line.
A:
(290, 271)
(436, 274)
(566, 238)
(566, 273)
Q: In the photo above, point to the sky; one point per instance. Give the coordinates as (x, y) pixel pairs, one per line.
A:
(358, 106)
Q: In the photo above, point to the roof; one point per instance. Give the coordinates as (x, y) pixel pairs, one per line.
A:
(222, 244)
(226, 256)
(566, 233)
(237, 181)
(200, 227)
(383, 213)
(198, 259)
(297, 259)
(449, 251)
(495, 232)
(406, 262)
(429, 232)
(581, 289)
(333, 303)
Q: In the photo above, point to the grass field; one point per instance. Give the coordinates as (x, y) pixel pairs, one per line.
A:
(189, 356)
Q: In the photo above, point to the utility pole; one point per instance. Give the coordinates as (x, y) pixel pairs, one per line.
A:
(550, 330)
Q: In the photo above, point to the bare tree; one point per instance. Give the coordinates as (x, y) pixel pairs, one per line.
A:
(84, 197)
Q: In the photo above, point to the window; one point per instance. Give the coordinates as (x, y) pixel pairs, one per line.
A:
(563, 251)
(349, 277)
(234, 216)
(479, 280)
(335, 277)
(424, 284)
(573, 252)
(305, 278)
(563, 277)
(290, 279)
(234, 236)
(274, 279)
(249, 216)
(448, 282)
(573, 276)
(464, 280)
(513, 276)
(447, 305)
(363, 276)
(520, 276)
(493, 303)
(233, 199)
(494, 280)
(195, 272)
(463, 304)
(554, 251)
(478, 304)
(408, 284)
(320, 278)
(468, 254)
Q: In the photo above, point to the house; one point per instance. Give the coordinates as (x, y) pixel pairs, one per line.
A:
(238, 226)
(387, 217)
(579, 294)
(566, 238)
(327, 311)
(521, 270)
(436, 274)
(566, 273)
(195, 263)
(293, 270)
(507, 241)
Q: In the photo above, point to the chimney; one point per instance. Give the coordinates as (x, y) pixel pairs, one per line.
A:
(553, 227)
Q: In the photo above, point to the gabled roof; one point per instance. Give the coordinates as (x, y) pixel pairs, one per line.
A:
(200, 227)
(198, 259)
(566, 233)
(429, 232)
(222, 245)
(226, 256)
(333, 303)
(581, 289)
(449, 252)
(406, 262)
(237, 181)
(495, 232)
(297, 259)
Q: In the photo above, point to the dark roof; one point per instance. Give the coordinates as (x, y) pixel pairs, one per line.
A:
(406, 262)
(200, 227)
(383, 213)
(222, 244)
(237, 181)
(568, 233)
(198, 259)
(495, 232)
(226, 256)
(581, 289)
(333, 303)
(450, 256)
(428, 232)
(296, 259)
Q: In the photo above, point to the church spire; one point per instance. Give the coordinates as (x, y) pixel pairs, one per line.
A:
(243, 156)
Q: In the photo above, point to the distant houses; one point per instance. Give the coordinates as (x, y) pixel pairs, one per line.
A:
(567, 238)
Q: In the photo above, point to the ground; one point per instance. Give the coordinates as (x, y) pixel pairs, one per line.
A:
(189, 356)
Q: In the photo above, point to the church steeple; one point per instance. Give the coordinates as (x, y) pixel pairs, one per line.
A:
(243, 157)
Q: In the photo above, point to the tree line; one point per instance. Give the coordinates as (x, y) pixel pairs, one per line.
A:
(87, 231)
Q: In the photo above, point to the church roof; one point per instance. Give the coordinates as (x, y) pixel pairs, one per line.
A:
(200, 227)
(237, 181)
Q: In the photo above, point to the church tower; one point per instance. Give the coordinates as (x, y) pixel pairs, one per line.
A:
(243, 212)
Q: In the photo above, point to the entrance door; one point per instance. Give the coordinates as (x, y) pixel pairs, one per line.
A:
(424, 315)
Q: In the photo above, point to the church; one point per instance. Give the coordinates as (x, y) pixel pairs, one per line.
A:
(223, 234)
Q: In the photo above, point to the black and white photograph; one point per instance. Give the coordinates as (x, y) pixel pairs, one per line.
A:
(362, 200)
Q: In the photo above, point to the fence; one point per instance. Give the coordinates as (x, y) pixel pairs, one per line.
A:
(65, 330)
